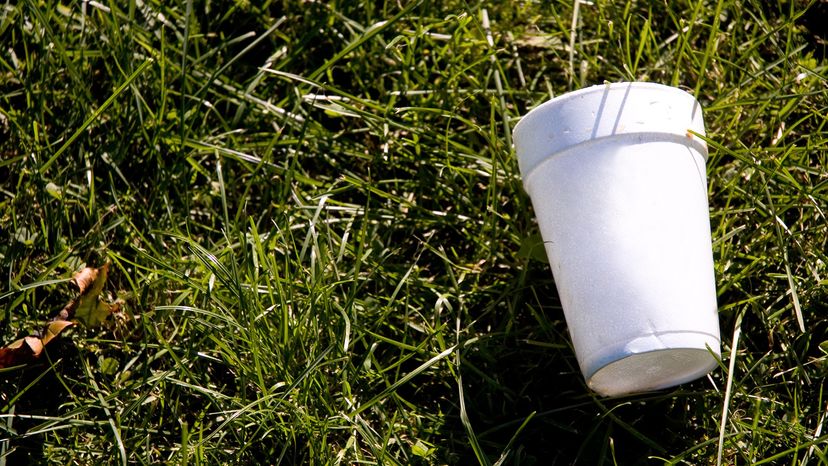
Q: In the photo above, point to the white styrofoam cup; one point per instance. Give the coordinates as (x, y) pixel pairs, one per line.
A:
(619, 187)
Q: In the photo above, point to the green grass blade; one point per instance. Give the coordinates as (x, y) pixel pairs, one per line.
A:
(96, 114)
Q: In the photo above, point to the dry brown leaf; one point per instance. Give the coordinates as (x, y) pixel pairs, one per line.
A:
(34, 344)
(87, 307)
(20, 352)
(27, 349)
(53, 330)
(90, 281)
(68, 311)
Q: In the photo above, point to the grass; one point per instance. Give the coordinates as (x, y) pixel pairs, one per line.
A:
(315, 217)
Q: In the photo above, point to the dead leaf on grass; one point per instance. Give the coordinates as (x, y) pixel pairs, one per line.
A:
(20, 352)
(53, 329)
(86, 307)
(90, 281)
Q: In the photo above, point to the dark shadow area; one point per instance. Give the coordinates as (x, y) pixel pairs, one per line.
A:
(42, 395)
(532, 369)
(815, 21)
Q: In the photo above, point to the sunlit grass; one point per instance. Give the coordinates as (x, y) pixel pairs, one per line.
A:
(315, 217)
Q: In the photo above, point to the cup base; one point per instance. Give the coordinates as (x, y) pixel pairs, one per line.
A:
(652, 370)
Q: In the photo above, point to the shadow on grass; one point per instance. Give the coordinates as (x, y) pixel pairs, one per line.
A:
(41, 394)
(525, 371)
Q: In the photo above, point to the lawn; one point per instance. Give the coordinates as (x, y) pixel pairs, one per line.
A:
(322, 253)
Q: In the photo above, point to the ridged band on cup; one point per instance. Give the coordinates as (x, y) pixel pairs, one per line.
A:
(606, 110)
